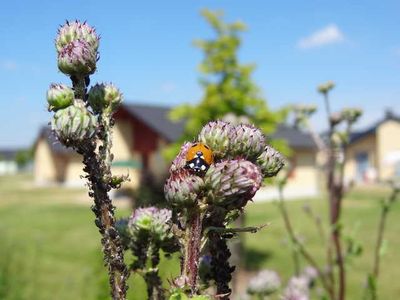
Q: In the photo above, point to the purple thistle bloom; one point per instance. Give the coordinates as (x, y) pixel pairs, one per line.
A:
(77, 58)
(232, 182)
(72, 31)
(182, 188)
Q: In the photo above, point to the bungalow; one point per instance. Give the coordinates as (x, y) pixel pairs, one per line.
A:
(374, 153)
(140, 134)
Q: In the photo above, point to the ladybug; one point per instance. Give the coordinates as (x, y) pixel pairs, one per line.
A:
(199, 158)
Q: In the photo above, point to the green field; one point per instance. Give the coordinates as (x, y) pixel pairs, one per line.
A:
(49, 246)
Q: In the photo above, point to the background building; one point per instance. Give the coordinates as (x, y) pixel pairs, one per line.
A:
(140, 135)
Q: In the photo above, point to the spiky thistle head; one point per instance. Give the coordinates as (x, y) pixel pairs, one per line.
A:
(217, 135)
(76, 30)
(247, 141)
(231, 183)
(104, 97)
(270, 162)
(77, 58)
(74, 124)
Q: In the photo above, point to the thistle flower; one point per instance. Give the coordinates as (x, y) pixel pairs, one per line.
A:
(182, 188)
(266, 282)
(77, 58)
(104, 97)
(72, 31)
(231, 183)
(270, 162)
(180, 160)
(59, 96)
(297, 289)
(247, 141)
(74, 124)
(217, 135)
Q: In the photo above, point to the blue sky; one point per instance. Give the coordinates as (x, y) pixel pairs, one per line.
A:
(146, 49)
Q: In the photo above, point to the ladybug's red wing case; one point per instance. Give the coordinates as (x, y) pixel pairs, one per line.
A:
(199, 158)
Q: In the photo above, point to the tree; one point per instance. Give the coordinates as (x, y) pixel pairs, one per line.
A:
(228, 87)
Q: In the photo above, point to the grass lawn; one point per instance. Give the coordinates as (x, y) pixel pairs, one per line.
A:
(50, 248)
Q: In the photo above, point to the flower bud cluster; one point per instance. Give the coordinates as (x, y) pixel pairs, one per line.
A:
(77, 48)
(241, 160)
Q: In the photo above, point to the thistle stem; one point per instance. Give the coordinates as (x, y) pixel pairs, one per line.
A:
(192, 249)
(105, 221)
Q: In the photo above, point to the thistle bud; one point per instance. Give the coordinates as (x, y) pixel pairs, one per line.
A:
(217, 136)
(73, 124)
(270, 162)
(231, 183)
(351, 115)
(59, 96)
(180, 160)
(182, 188)
(72, 31)
(77, 58)
(156, 222)
(247, 141)
(335, 118)
(265, 283)
(326, 87)
(104, 97)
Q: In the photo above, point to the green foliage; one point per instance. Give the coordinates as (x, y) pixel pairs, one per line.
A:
(227, 84)
(23, 157)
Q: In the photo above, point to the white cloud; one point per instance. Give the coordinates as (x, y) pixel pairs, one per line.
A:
(8, 65)
(330, 34)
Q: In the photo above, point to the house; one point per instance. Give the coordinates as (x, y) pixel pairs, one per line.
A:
(141, 133)
(8, 164)
(374, 153)
(303, 179)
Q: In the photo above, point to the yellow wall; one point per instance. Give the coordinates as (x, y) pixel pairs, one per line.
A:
(365, 144)
(157, 163)
(44, 165)
(303, 183)
(388, 142)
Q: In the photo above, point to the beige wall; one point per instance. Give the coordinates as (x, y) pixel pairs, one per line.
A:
(388, 143)
(44, 165)
(157, 163)
(303, 181)
(366, 144)
(122, 140)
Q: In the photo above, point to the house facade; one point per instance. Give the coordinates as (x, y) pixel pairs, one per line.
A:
(140, 135)
(373, 154)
